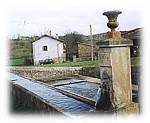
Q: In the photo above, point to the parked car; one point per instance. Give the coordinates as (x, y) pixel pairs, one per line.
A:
(46, 61)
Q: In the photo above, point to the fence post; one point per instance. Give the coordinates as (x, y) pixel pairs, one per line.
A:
(74, 58)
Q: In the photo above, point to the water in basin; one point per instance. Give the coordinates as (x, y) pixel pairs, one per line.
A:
(67, 104)
(86, 89)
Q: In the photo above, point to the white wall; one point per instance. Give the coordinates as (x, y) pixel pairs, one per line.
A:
(55, 49)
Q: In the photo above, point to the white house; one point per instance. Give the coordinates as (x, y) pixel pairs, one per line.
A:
(47, 47)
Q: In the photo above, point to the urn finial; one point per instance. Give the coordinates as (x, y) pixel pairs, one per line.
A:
(112, 23)
(112, 19)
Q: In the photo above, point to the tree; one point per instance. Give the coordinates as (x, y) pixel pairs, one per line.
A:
(71, 40)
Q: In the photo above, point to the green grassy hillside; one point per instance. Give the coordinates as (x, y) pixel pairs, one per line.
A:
(20, 52)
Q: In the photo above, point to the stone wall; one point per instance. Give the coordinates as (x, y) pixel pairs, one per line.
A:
(50, 73)
(84, 51)
(95, 72)
(90, 71)
(46, 73)
(23, 101)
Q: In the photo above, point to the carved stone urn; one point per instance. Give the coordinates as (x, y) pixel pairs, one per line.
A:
(112, 23)
(112, 17)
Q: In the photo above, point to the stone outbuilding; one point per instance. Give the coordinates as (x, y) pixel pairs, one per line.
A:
(84, 51)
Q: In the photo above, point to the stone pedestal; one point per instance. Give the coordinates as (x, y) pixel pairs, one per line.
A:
(115, 67)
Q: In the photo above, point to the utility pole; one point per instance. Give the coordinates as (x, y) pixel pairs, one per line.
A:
(91, 42)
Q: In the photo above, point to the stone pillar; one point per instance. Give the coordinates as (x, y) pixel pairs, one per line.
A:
(74, 58)
(115, 66)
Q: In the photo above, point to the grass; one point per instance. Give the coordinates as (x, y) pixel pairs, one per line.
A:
(74, 64)
(19, 50)
(135, 61)
(17, 62)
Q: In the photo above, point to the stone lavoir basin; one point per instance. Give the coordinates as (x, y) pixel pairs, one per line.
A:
(83, 88)
(72, 96)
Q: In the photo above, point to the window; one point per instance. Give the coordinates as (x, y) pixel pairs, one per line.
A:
(45, 48)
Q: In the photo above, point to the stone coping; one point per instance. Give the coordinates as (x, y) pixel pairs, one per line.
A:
(117, 43)
(89, 79)
(39, 68)
(39, 98)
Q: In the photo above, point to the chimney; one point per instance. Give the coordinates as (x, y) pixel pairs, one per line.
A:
(50, 33)
(57, 36)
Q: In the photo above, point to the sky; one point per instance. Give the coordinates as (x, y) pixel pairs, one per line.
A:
(36, 19)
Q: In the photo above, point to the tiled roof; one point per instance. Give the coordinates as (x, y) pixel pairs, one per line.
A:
(48, 37)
